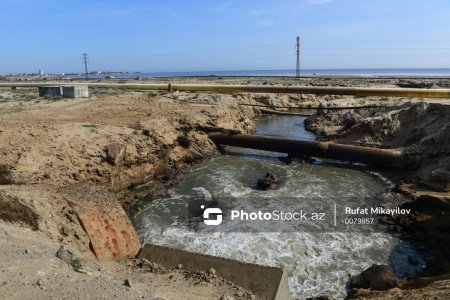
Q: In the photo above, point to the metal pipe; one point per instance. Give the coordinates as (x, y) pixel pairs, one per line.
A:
(127, 86)
(298, 148)
(352, 91)
(315, 107)
(276, 112)
(382, 92)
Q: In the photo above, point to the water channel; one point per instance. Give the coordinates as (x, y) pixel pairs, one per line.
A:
(318, 259)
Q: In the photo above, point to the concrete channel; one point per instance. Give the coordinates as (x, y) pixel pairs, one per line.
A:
(266, 282)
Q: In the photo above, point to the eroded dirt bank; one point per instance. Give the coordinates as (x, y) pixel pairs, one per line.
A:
(116, 140)
(122, 138)
(422, 130)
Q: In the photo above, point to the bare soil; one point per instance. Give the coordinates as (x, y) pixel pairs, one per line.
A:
(118, 139)
(422, 131)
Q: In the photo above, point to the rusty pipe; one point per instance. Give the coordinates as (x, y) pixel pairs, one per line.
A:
(318, 90)
(298, 148)
(284, 113)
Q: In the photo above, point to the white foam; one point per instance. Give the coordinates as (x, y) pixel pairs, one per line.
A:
(317, 262)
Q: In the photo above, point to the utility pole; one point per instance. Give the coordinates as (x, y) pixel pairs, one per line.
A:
(85, 61)
(298, 57)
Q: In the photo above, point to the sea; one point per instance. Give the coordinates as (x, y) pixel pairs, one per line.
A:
(402, 72)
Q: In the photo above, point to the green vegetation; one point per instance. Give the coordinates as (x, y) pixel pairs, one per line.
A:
(76, 264)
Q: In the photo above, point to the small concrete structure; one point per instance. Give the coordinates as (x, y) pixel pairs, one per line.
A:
(263, 281)
(73, 91)
(76, 91)
(50, 91)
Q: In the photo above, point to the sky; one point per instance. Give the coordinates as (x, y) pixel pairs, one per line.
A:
(180, 35)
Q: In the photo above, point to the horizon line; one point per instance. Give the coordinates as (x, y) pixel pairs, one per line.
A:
(242, 70)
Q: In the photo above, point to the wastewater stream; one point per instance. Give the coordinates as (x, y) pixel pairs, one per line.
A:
(317, 257)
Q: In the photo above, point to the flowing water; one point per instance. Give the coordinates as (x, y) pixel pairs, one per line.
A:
(318, 260)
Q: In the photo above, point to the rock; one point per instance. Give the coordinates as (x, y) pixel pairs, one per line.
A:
(179, 266)
(377, 277)
(115, 153)
(183, 141)
(440, 180)
(127, 283)
(66, 230)
(211, 272)
(78, 176)
(146, 265)
(5, 174)
(226, 297)
(65, 254)
(41, 283)
(240, 293)
(268, 182)
(164, 172)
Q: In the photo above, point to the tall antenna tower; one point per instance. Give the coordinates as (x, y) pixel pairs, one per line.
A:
(297, 73)
(85, 61)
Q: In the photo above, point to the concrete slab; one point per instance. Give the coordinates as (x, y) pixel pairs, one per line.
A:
(77, 91)
(50, 91)
(263, 281)
(111, 233)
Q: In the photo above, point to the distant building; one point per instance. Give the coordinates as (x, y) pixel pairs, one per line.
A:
(41, 73)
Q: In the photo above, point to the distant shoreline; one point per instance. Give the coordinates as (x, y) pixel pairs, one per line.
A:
(261, 77)
(406, 73)
(304, 77)
(308, 73)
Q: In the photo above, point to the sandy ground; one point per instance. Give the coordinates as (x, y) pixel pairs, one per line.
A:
(30, 270)
(46, 144)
